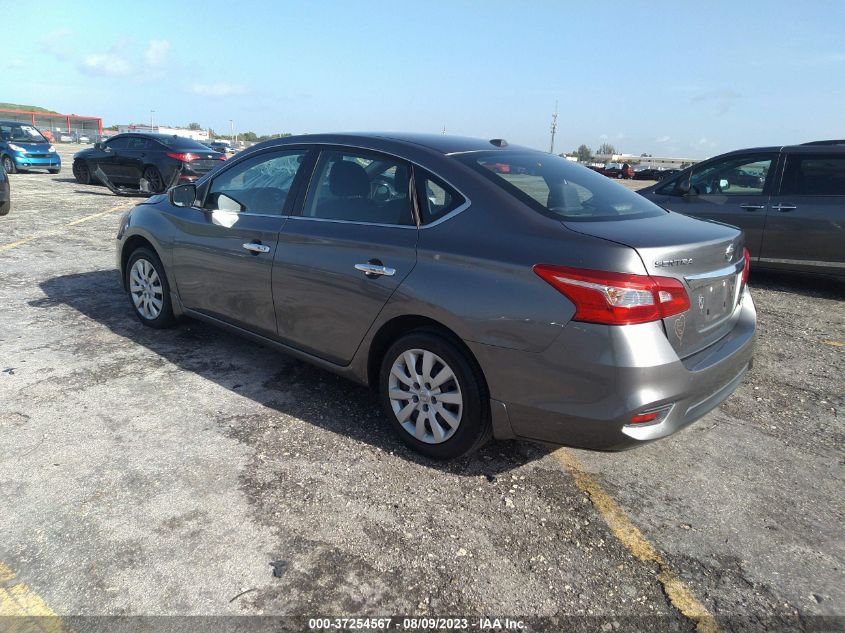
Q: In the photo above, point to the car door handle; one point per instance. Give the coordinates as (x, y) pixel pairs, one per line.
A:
(256, 247)
(752, 207)
(784, 207)
(375, 270)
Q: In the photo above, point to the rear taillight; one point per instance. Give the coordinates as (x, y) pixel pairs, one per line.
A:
(616, 298)
(221, 157)
(186, 157)
(747, 267)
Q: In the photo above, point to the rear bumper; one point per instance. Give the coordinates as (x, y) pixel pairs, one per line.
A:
(585, 388)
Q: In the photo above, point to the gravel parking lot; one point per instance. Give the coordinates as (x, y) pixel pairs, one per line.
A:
(190, 472)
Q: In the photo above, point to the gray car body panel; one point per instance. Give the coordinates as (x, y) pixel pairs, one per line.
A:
(549, 378)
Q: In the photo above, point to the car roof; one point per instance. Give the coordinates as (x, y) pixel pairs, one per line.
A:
(442, 143)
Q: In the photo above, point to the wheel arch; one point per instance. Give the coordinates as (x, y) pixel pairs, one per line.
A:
(133, 243)
(398, 326)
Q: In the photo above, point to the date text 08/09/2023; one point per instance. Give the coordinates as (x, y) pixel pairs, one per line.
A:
(417, 624)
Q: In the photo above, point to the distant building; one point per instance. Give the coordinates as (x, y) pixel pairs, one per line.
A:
(54, 122)
(197, 135)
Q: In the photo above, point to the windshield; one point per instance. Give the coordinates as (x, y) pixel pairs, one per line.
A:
(560, 188)
(20, 133)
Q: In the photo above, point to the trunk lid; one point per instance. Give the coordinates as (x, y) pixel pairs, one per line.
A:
(705, 256)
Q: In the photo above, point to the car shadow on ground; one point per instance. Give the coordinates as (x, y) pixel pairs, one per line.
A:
(817, 286)
(321, 398)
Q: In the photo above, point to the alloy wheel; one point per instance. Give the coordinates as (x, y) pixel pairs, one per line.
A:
(146, 289)
(425, 396)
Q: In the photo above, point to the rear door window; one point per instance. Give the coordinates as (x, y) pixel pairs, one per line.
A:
(138, 143)
(814, 175)
(360, 186)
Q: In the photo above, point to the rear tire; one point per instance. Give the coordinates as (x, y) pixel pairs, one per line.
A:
(153, 176)
(434, 396)
(81, 172)
(9, 165)
(149, 292)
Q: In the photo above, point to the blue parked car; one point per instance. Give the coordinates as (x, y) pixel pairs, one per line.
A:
(23, 147)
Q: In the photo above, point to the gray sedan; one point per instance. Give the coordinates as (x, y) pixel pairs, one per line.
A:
(481, 289)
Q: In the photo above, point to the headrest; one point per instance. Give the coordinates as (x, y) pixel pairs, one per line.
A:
(348, 180)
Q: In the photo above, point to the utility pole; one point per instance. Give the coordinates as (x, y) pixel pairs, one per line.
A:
(152, 112)
(232, 127)
(554, 129)
(444, 130)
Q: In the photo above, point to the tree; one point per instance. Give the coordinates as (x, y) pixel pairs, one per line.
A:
(194, 126)
(606, 148)
(584, 154)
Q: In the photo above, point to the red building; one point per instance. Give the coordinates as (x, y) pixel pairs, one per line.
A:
(56, 123)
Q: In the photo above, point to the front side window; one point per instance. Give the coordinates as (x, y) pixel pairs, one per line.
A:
(360, 187)
(259, 184)
(560, 188)
(735, 176)
(119, 142)
(814, 175)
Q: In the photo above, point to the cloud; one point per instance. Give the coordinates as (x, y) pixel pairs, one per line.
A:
(704, 143)
(722, 99)
(57, 44)
(109, 64)
(156, 53)
(663, 139)
(219, 89)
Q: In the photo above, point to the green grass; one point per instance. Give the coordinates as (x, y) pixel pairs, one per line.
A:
(18, 106)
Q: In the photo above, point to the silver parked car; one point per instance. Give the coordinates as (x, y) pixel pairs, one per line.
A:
(482, 289)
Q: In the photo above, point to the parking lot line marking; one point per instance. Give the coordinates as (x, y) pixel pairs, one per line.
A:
(635, 542)
(93, 216)
(27, 609)
(834, 343)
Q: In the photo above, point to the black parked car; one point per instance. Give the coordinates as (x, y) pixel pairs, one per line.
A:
(790, 201)
(161, 159)
(5, 197)
(653, 173)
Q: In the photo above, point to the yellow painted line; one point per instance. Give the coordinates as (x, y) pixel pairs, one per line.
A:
(87, 218)
(25, 610)
(635, 542)
(834, 343)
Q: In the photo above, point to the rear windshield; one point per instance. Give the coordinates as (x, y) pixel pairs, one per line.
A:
(182, 142)
(21, 133)
(560, 188)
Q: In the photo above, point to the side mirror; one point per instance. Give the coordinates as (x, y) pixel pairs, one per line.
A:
(724, 184)
(183, 195)
(682, 187)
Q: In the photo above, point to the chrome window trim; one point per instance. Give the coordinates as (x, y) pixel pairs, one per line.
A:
(731, 269)
(390, 226)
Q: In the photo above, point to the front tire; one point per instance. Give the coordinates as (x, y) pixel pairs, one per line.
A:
(81, 172)
(434, 396)
(9, 165)
(149, 292)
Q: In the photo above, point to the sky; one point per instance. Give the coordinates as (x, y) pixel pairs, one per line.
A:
(684, 79)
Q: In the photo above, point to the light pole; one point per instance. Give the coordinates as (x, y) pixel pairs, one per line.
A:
(554, 129)
(232, 127)
(152, 127)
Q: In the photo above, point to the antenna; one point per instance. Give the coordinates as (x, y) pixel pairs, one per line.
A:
(554, 129)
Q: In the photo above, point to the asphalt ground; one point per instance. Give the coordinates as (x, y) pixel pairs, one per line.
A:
(188, 472)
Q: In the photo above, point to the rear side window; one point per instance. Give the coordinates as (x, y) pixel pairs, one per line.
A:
(436, 198)
(814, 175)
(138, 142)
(560, 188)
